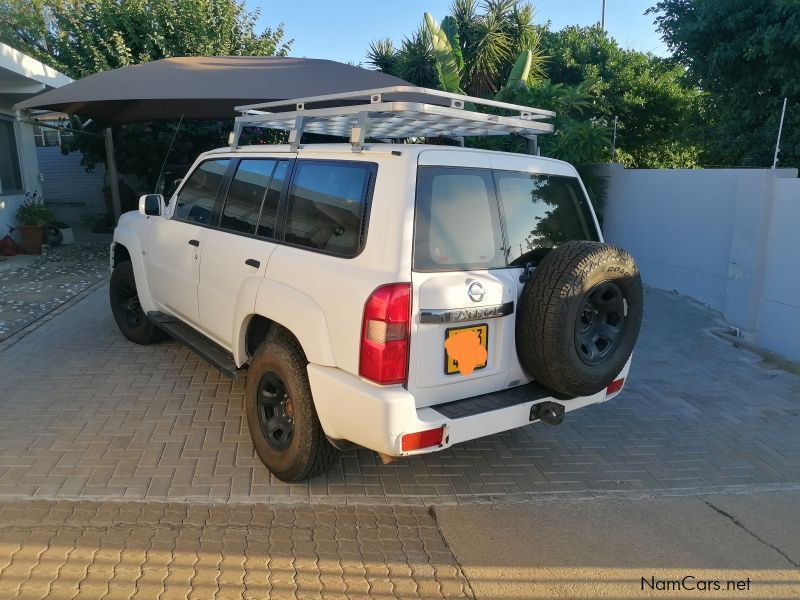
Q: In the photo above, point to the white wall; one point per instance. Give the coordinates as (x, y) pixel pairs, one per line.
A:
(29, 168)
(779, 314)
(720, 236)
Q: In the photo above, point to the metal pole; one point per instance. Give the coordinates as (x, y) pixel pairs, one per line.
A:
(780, 131)
(614, 140)
(603, 17)
(111, 168)
(58, 127)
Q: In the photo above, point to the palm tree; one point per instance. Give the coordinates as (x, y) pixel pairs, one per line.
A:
(476, 48)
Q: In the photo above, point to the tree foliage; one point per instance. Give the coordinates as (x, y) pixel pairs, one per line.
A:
(581, 68)
(80, 38)
(743, 53)
(482, 41)
(657, 110)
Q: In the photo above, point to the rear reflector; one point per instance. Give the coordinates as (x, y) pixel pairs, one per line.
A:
(422, 439)
(615, 386)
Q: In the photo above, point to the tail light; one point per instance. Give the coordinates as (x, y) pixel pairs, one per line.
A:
(384, 334)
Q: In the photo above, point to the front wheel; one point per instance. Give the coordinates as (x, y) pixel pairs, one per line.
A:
(128, 313)
(283, 422)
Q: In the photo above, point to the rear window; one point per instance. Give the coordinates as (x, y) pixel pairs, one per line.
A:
(458, 214)
(457, 227)
(328, 204)
(541, 212)
(246, 194)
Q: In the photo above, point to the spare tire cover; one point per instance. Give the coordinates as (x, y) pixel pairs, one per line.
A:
(578, 317)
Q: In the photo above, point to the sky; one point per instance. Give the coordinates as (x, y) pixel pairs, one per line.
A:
(342, 29)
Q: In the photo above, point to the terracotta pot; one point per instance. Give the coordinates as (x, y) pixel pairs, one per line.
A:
(32, 238)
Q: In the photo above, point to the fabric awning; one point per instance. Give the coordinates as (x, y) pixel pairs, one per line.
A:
(202, 87)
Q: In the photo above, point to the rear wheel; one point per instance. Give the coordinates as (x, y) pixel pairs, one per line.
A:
(283, 422)
(128, 313)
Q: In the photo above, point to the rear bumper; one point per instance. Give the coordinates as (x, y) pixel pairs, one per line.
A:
(377, 417)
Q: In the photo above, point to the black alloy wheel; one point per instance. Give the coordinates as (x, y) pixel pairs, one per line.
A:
(128, 301)
(601, 323)
(275, 411)
(127, 309)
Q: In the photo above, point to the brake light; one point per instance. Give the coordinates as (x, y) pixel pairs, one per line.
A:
(384, 334)
(614, 386)
(422, 439)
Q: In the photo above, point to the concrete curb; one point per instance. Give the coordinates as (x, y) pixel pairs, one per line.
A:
(778, 360)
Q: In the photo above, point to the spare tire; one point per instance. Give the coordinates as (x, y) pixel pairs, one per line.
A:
(578, 317)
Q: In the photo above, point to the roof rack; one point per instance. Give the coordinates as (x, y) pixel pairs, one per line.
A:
(391, 113)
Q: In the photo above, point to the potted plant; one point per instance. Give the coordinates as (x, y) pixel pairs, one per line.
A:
(33, 217)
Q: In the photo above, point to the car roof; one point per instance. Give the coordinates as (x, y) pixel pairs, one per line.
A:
(411, 150)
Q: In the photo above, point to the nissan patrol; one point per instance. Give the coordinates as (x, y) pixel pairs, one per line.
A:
(401, 297)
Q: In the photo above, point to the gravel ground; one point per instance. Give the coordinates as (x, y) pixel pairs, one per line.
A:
(29, 292)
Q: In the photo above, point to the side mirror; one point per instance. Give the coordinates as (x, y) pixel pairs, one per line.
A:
(151, 205)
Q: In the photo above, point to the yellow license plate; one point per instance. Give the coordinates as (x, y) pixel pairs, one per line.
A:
(482, 331)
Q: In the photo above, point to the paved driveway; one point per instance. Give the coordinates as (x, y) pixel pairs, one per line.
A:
(84, 413)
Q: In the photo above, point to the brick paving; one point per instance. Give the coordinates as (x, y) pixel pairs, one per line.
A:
(86, 414)
(132, 550)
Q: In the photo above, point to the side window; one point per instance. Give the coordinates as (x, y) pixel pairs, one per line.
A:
(195, 202)
(269, 213)
(246, 194)
(457, 225)
(328, 206)
(541, 212)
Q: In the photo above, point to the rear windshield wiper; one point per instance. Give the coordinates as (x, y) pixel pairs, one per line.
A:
(531, 257)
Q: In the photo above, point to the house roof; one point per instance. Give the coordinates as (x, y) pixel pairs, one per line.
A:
(22, 76)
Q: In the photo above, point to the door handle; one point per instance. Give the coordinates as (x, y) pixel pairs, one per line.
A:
(194, 243)
(252, 262)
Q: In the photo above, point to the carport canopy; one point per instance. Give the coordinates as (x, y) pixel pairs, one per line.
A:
(201, 87)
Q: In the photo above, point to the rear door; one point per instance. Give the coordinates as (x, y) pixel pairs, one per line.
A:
(460, 283)
(539, 211)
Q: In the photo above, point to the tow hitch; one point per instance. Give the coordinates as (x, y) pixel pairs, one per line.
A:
(549, 412)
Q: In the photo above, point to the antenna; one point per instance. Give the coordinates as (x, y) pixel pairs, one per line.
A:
(778, 142)
(166, 156)
(614, 140)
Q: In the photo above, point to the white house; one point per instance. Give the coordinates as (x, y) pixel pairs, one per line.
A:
(20, 77)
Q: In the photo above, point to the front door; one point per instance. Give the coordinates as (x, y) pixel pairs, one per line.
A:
(175, 244)
(235, 256)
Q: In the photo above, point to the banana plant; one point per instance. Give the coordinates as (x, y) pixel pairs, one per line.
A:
(521, 70)
(445, 60)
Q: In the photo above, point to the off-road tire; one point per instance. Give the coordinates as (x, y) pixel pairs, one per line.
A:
(141, 330)
(309, 453)
(548, 330)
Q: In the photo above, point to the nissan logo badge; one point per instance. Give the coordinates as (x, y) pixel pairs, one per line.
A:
(475, 291)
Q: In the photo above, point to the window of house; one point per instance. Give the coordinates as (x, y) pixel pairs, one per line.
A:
(328, 206)
(195, 202)
(47, 136)
(10, 175)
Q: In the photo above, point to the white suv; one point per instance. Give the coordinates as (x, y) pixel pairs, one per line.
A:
(342, 279)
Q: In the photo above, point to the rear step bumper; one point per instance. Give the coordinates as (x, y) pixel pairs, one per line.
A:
(377, 417)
